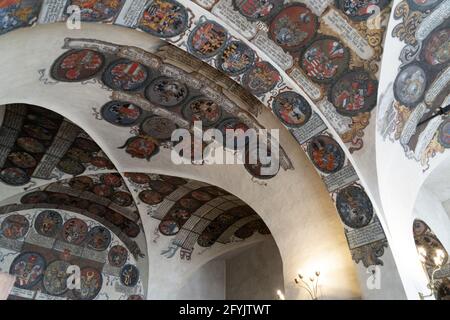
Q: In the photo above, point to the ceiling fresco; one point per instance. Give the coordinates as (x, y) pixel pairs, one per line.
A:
(39, 144)
(150, 89)
(425, 239)
(38, 246)
(421, 86)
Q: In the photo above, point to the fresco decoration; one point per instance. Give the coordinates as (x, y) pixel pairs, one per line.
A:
(421, 86)
(361, 10)
(364, 47)
(104, 197)
(326, 154)
(165, 19)
(236, 58)
(18, 13)
(34, 148)
(207, 39)
(154, 102)
(184, 208)
(97, 10)
(427, 245)
(40, 260)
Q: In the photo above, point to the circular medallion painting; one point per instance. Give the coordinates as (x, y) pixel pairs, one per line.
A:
(112, 179)
(236, 58)
(355, 92)
(34, 197)
(129, 275)
(180, 215)
(354, 207)
(103, 190)
(164, 19)
(75, 231)
(150, 197)
(121, 113)
(77, 65)
(55, 277)
(292, 109)
(99, 10)
(139, 178)
(437, 48)
(14, 176)
(91, 284)
(30, 145)
(71, 166)
(166, 92)
(158, 127)
(190, 204)
(161, 186)
(37, 132)
(125, 75)
(207, 39)
(293, 27)
(28, 267)
(117, 256)
(444, 133)
(236, 131)
(360, 10)
(410, 85)
(130, 228)
(430, 243)
(122, 198)
(325, 59)
(78, 154)
(99, 238)
(141, 147)
(15, 226)
(257, 10)
(168, 227)
(326, 154)
(204, 110)
(114, 217)
(201, 196)
(82, 183)
(261, 78)
(48, 223)
(423, 5)
(22, 160)
(86, 144)
(15, 14)
(102, 162)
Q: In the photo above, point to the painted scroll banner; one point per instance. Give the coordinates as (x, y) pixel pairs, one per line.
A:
(431, 22)
(131, 13)
(307, 85)
(348, 34)
(318, 6)
(22, 293)
(340, 123)
(314, 126)
(341, 178)
(282, 59)
(440, 84)
(411, 124)
(43, 296)
(52, 11)
(224, 10)
(368, 234)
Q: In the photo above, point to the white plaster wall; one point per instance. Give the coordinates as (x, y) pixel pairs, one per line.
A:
(256, 273)
(207, 283)
(295, 204)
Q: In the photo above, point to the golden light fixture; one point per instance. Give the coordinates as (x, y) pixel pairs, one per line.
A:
(311, 285)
